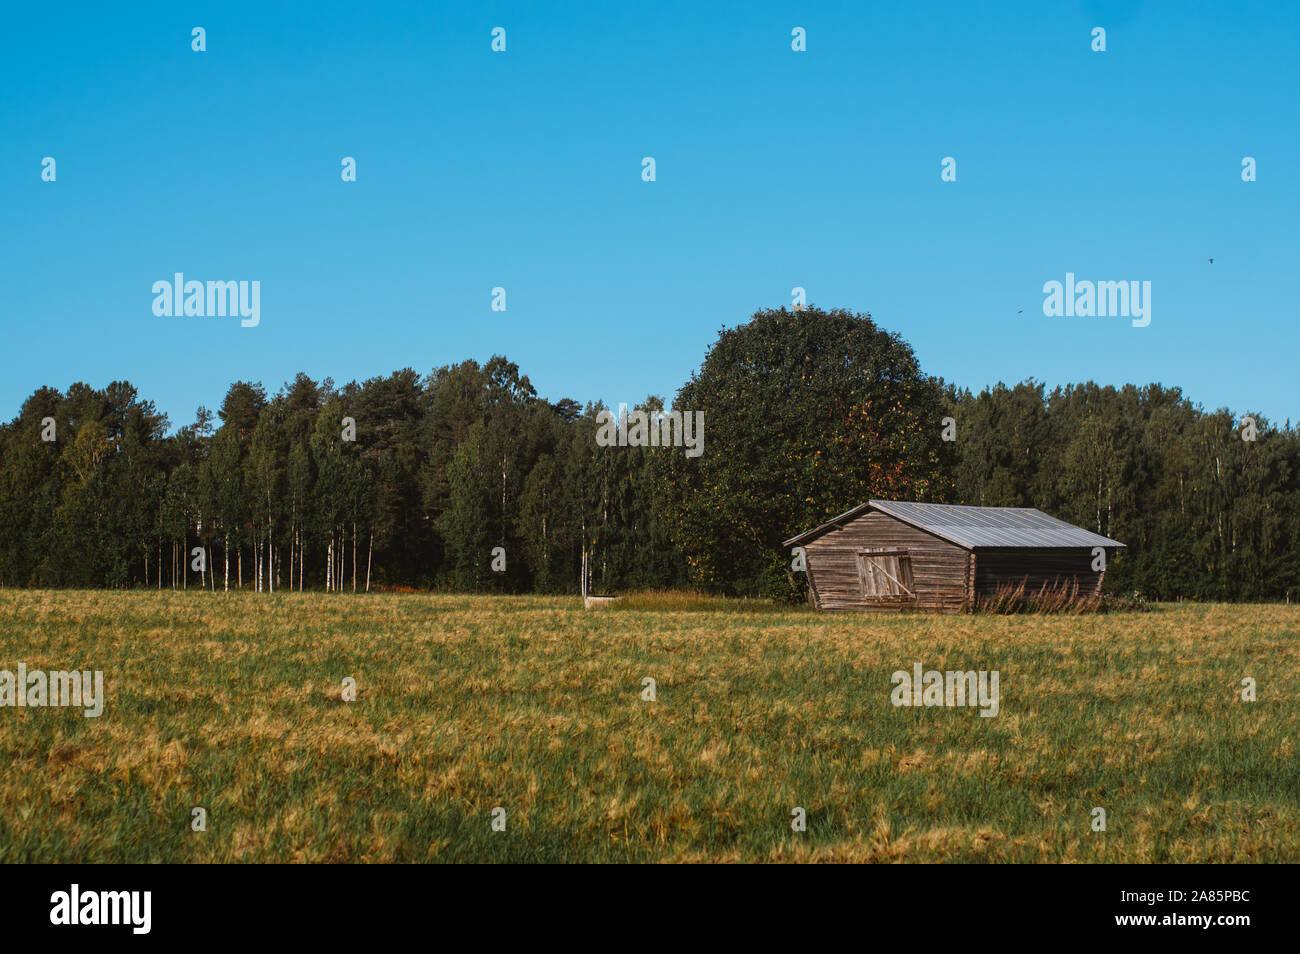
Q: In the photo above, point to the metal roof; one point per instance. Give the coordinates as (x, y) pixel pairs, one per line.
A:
(975, 527)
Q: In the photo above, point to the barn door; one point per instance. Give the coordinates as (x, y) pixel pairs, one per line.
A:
(886, 576)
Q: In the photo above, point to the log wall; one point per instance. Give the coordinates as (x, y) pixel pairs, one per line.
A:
(940, 570)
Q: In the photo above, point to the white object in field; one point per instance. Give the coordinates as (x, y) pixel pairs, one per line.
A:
(592, 602)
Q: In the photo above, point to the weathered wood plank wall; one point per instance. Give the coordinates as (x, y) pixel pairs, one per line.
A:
(940, 570)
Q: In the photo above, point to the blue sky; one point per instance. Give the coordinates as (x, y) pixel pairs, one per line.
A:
(522, 169)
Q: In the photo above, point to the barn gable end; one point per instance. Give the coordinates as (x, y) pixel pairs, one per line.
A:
(938, 568)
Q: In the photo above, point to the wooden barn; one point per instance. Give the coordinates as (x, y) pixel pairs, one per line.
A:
(890, 555)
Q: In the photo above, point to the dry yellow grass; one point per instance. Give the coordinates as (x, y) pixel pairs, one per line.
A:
(233, 702)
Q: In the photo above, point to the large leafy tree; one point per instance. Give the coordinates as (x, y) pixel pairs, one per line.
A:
(806, 413)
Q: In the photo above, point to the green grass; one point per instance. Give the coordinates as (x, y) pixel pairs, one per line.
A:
(232, 702)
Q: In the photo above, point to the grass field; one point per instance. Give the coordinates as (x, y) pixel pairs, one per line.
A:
(464, 704)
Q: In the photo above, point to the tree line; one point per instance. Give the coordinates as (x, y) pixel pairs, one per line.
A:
(464, 479)
(398, 481)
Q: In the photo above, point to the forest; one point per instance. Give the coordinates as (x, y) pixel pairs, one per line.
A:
(464, 479)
